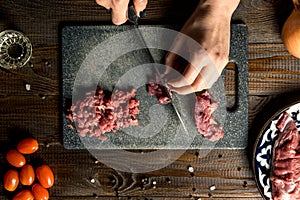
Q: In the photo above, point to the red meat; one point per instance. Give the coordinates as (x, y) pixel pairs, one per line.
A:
(97, 115)
(162, 92)
(203, 112)
(204, 119)
(285, 173)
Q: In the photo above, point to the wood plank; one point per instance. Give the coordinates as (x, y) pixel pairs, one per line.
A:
(143, 198)
(272, 71)
(41, 73)
(227, 170)
(262, 17)
(34, 115)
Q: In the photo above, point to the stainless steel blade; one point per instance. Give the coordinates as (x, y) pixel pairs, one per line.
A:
(133, 18)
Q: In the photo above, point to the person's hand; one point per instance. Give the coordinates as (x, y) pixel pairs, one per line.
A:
(210, 27)
(120, 8)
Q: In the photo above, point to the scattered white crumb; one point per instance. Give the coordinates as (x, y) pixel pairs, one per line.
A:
(213, 187)
(27, 86)
(154, 182)
(93, 180)
(191, 169)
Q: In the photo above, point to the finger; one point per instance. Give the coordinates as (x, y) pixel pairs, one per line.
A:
(176, 61)
(192, 70)
(119, 15)
(178, 43)
(184, 90)
(106, 4)
(198, 85)
(174, 52)
(119, 11)
(170, 60)
(187, 78)
(199, 58)
(208, 76)
(139, 5)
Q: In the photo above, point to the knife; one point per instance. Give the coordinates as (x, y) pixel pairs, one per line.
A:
(133, 18)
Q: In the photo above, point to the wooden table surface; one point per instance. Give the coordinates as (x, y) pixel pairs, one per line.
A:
(272, 73)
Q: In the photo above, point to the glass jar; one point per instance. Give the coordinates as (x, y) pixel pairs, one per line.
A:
(15, 49)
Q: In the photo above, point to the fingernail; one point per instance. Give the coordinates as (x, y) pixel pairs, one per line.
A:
(143, 14)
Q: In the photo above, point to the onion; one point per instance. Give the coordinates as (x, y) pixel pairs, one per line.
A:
(291, 31)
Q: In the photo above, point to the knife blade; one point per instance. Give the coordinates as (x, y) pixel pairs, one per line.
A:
(133, 18)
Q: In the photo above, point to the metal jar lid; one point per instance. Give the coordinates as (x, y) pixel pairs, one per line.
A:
(15, 49)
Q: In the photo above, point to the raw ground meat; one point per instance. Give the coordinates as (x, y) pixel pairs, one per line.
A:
(97, 115)
(162, 93)
(204, 119)
(285, 173)
(203, 112)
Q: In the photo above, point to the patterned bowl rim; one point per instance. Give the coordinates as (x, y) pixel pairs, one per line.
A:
(261, 132)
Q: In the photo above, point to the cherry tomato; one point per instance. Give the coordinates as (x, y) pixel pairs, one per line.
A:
(39, 192)
(45, 176)
(11, 180)
(27, 175)
(24, 195)
(15, 158)
(28, 146)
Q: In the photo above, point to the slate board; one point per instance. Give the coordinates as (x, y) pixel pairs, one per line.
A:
(78, 41)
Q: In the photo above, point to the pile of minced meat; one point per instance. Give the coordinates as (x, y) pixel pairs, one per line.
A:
(99, 114)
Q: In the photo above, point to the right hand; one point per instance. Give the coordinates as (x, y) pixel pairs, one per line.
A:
(120, 8)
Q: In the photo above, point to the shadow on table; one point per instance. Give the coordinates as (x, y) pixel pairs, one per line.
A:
(283, 9)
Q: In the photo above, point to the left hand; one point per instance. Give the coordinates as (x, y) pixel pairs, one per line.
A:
(210, 27)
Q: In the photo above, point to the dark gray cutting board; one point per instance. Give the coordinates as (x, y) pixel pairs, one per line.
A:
(78, 41)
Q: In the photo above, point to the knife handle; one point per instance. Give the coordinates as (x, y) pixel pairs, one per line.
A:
(132, 15)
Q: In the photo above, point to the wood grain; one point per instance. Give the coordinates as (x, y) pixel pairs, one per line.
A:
(266, 52)
(226, 170)
(260, 16)
(272, 72)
